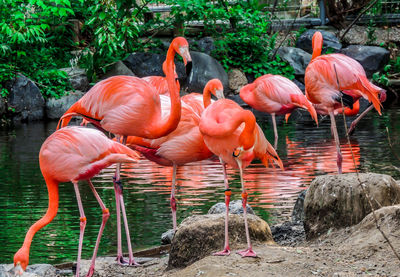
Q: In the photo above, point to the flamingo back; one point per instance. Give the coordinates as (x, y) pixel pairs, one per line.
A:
(74, 152)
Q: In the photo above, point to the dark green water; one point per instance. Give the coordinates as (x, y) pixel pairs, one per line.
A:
(306, 151)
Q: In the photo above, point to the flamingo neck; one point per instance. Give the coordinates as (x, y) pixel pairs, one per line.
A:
(22, 256)
(317, 42)
(207, 96)
(221, 130)
(246, 93)
(167, 126)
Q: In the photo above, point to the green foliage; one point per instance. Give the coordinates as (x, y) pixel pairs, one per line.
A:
(241, 32)
(392, 68)
(25, 38)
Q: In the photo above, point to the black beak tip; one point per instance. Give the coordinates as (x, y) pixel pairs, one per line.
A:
(188, 68)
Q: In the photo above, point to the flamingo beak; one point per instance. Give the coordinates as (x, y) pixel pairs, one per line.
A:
(187, 59)
(220, 94)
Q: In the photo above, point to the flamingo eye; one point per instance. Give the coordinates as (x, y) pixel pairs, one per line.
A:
(236, 153)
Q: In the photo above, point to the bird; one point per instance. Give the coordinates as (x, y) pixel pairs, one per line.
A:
(72, 154)
(130, 106)
(185, 144)
(334, 81)
(159, 82)
(232, 134)
(276, 95)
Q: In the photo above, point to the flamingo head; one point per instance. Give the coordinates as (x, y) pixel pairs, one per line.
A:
(243, 157)
(21, 261)
(216, 88)
(181, 46)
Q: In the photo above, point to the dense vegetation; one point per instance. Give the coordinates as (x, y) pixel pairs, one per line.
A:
(38, 37)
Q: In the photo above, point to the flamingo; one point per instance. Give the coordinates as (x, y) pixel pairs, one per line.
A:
(276, 94)
(334, 79)
(185, 144)
(72, 154)
(130, 106)
(232, 134)
(159, 82)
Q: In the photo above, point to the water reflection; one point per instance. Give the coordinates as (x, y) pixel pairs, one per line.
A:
(306, 151)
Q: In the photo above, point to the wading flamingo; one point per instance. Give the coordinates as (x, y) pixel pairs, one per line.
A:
(334, 79)
(72, 154)
(130, 106)
(185, 144)
(276, 95)
(232, 133)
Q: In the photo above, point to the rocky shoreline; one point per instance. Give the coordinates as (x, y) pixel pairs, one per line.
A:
(340, 238)
(25, 102)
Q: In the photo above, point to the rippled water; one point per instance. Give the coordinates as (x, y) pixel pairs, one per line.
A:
(306, 151)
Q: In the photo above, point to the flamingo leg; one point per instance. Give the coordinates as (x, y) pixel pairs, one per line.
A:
(355, 122)
(228, 193)
(336, 137)
(249, 251)
(106, 215)
(82, 226)
(121, 207)
(173, 200)
(275, 130)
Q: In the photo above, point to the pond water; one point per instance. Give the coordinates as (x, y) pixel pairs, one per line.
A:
(306, 151)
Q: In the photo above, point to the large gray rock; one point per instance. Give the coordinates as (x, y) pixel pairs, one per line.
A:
(77, 77)
(200, 235)
(25, 99)
(117, 68)
(55, 108)
(235, 207)
(166, 237)
(296, 57)
(150, 64)
(335, 201)
(330, 41)
(204, 68)
(372, 58)
(205, 45)
(236, 79)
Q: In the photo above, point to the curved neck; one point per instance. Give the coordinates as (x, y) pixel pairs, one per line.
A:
(52, 188)
(247, 92)
(206, 96)
(167, 126)
(246, 138)
(317, 42)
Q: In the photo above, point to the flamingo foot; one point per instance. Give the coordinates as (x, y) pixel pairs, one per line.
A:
(247, 253)
(90, 272)
(121, 261)
(224, 252)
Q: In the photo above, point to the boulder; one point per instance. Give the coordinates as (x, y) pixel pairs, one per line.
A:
(150, 64)
(204, 68)
(336, 201)
(117, 68)
(298, 209)
(25, 99)
(201, 235)
(288, 233)
(372, 58)
(55, 108)
(296, 57)
(236, 79)
(301, 86)
(235, 207)
(166, 237)
(330, 41)
(77, 77)
(204, 45)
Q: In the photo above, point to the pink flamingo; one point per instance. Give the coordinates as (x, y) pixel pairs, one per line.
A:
(70, 155)
(232, 133)
(276, 94)
(130, 106)
(334, 79)
(185, 144)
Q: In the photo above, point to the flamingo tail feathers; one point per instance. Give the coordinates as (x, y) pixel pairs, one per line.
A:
(372, 92)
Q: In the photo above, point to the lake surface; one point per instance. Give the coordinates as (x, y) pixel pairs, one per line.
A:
(306, 151)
